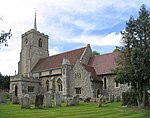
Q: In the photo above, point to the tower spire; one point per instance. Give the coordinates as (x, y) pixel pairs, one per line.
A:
(35, 27)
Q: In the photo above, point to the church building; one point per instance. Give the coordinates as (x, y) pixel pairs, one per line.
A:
(76, 72)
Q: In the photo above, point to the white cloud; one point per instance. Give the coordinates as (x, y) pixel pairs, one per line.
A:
(112, 39)
(53, 51)
(62, 20)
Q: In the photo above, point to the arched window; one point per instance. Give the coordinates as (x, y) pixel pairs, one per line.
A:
(26, 41)
(59, 83)
(105, 83)
(47, 85)
(40, 42)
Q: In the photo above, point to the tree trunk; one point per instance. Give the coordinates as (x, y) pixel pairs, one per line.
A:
(143, 104)
(144, 100)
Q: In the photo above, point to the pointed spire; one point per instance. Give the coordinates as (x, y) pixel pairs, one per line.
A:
(35, 27)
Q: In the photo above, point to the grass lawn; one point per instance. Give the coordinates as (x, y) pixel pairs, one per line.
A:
(83, 110)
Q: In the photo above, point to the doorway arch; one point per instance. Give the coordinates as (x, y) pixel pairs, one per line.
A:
(16, 90)
(97, 93)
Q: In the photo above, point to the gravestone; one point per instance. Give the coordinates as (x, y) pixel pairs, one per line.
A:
(39, 101)
(48, 100)
(15, 99)
(104, 99)
(69, 102)
(72, 101)
(87, 99)
(111, 97)
(57, 99)
(2, 97)
(117, 98)
(75, 100)
(25, 101)
(100, 97)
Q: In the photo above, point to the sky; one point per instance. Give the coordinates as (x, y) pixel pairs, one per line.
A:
(70, 24)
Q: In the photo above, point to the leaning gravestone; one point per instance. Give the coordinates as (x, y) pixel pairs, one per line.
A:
(75, 100)
(69, 102)
(15, 99)
(2, 97)
(57, 99)
(48, 100)
(39, 101)
(25, 101)
(100, 97)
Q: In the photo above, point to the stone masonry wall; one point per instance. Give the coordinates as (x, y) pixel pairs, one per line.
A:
(111, 88)
(81, 79)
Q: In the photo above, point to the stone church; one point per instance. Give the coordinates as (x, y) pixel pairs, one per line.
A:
(76, 72)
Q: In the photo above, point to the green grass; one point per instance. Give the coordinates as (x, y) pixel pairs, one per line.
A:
(83, 110)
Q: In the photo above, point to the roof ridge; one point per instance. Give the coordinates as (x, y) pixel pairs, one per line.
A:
(63, 53)
(87, 65)
(106, 54)
(56, 60)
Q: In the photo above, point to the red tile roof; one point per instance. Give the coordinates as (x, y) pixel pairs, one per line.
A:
(55, 61)
(90, 69)
(104, 64)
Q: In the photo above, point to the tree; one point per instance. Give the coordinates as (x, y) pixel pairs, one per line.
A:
(134, 61)
(95, 53)
(4, 82)
(4, 36)
(117, 49)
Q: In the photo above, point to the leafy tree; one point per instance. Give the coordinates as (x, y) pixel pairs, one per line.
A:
(4, 82)
(4, 36)
(95, 53)
(117, 49)
(134, 61)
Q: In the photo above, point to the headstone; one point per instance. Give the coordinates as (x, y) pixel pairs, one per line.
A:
(100, 97)
(57, 99)
(48, 100)
(32, 99)
(117, 98)
(87, 99)
(75, 100)
(78, 99)
(62, 98)
(39, 101)
(25, 101)
(111, 97)
(69, 102)
(72, 101)
(15, 99)
(2, 97)
(104, 99)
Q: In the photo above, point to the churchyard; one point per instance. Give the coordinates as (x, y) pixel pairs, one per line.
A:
(83, 110)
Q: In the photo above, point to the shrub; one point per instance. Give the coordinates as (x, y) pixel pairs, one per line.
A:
(129, 98)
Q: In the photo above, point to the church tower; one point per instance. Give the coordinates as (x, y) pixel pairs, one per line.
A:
(34, 46)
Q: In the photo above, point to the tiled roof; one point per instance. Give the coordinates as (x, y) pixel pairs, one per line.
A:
(90, 69)
(104, 64)
(55, 61)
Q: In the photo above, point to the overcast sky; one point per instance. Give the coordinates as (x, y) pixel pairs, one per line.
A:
(70, 24)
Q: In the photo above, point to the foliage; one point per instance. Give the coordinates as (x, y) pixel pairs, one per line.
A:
(83, 110)
(129, 98)
(95, 53)
(117, 49)
(4, 36)
(134, 61)
(4, 82)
